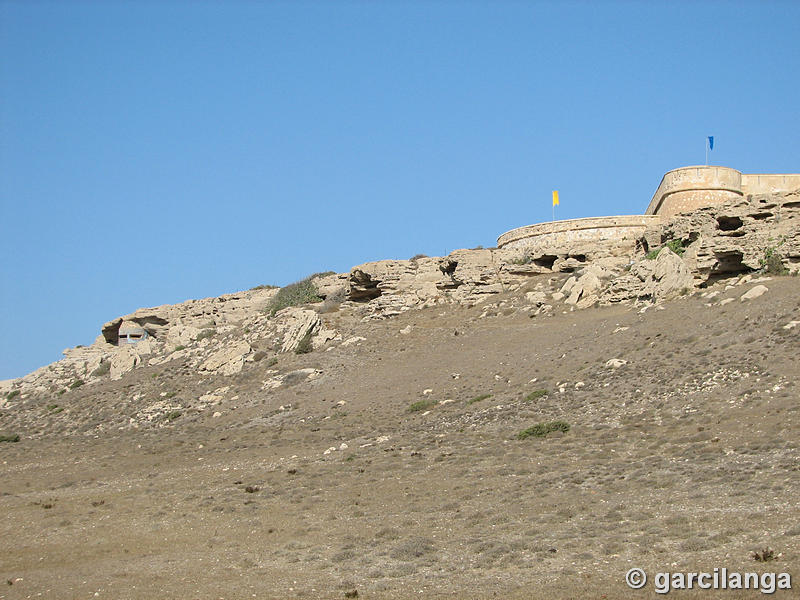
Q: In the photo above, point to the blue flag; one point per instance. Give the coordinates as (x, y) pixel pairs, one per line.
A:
(711, 142)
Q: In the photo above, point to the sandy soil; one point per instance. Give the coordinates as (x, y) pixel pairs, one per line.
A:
(684, 458)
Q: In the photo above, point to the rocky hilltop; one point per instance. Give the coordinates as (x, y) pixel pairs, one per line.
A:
(680, 255)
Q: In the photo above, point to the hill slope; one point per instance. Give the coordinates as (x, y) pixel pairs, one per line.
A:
(389, 460)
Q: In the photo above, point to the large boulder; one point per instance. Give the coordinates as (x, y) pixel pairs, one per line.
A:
(294, 324)
(123, 361)
(227, 361)
(669, 276)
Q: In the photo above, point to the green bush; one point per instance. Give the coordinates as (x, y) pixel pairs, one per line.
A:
(542, 429)
(76, 384)
(421, 405)
(479, 398)
(772, 262)
(12, 394)
(9, 438)
(675, 245)
(263, 286)
(535, 395)
(180, 347)
(295, 294)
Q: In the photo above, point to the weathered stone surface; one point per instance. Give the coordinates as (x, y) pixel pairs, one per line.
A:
(669, 276)
(123, 361)
(728, 239)
(754, 292)
(295, 324)
(182, 335)
(227, 361)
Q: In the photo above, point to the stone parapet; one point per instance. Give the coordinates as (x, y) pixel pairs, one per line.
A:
(770, 183)
(589, 229)
(689, 188)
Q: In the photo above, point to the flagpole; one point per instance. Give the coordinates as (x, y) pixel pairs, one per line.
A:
(706, 152)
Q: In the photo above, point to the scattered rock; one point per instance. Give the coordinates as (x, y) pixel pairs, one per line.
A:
(755, 292)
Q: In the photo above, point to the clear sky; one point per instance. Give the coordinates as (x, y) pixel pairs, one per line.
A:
(152, 152)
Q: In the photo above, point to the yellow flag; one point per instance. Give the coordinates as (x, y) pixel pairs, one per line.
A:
(555, 197)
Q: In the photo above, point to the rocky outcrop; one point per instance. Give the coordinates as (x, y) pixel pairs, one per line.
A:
(227, 361)
(222, 335)
(661, 278)
(583, 291)
(123, 361)
(183, 322)
(296, 324)
(736, 237)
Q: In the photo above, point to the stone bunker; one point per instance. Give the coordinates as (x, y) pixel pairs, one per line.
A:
(130, 333)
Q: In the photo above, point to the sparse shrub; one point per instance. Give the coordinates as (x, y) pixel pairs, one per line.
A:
(542, 429)
(421, 405)
(536, 394)
(172, 415)
(329, 306)
(102, 369)
(272, 361)
(171, 395)
(180, 347)
(76, 384)
(479, 398)
(295, 294)
(418, 256)
(413, 549)
(61, 392)
(522, 260)
(675, 245)
(772, 262)
(304, 346)
(263, 286)
(9, 438)
(12, 394)
(766, 555)
(332, 301)
(206, 333)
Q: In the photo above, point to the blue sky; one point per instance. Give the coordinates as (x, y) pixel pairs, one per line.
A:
(152, 152)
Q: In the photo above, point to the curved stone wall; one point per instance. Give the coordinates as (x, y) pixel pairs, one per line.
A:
(558, 234)
(689, 188)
